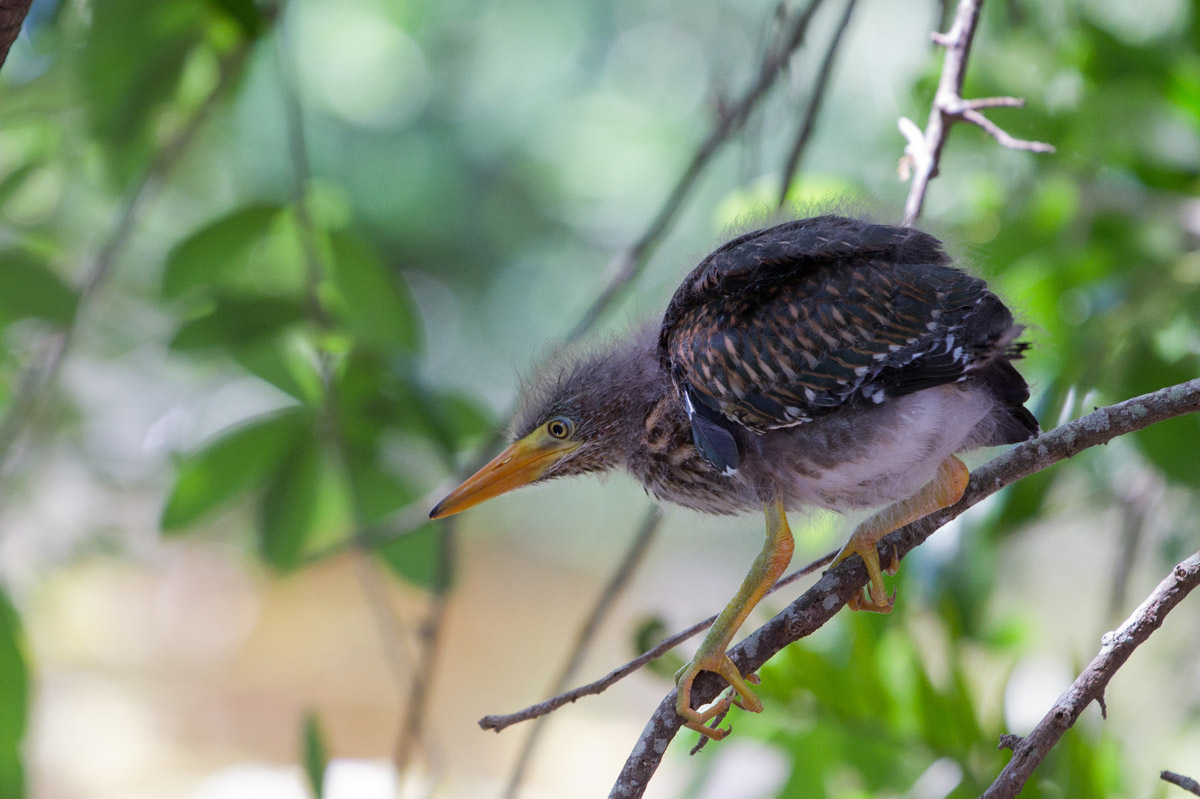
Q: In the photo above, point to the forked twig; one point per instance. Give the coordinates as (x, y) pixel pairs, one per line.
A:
(924, 149)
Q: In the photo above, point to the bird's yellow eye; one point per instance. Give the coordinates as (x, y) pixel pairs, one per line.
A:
(560, 427)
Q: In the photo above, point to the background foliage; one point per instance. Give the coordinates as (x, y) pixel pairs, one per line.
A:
(265, 274)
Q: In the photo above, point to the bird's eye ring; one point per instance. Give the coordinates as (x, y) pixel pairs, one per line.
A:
(560, 427)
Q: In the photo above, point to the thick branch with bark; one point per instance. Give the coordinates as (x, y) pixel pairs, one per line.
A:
(1115, 649)
(12, 16)
(819, 604)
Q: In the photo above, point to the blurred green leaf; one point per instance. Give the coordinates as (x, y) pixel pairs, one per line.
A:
(29, 288)
(1171, 445)
(238, 460)
(369, 299)
(210, 254)
(282, 362)
(122, 93)
(14, 701)
(245, 13)
(315, 753)
(288, 509)
(414, 557)
(239, 321)
(648, 634)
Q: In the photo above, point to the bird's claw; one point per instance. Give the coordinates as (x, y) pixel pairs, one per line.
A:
(738, 694)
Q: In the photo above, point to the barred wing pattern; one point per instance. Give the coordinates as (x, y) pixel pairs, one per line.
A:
(785, 324)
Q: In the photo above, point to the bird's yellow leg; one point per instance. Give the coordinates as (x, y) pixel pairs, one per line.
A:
(768, 566)
(943, 490)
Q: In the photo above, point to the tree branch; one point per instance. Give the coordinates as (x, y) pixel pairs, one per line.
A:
(814, 104)
(629, 264)
(12, 16)
(1115, 649)
(819, 604)
(500, 722)
(924, 149)
(1187, 783)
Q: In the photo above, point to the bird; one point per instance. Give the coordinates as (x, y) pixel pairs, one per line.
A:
(826, 362)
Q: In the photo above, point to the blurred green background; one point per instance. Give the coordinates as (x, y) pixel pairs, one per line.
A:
(269, 274)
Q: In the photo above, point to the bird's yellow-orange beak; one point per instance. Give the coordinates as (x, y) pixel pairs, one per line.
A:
(522, 463)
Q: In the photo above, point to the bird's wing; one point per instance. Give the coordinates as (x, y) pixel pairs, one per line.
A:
(812, 329)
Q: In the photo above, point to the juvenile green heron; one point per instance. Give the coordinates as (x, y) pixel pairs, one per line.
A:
(824, 362)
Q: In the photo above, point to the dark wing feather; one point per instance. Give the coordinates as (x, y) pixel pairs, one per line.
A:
(780, 326)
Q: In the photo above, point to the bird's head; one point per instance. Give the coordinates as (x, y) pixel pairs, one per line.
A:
(582, 413)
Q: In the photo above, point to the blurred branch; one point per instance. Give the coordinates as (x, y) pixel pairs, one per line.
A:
(587, 633)
(388, 623)
(924, 149)
(818, 605)
(38, 377)
(1187, 783)
(12, 16)
(629, 264)
(1115, 649)
(814, 104)
(498, 723)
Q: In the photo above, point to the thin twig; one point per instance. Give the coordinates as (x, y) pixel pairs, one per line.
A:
(630, 263)
(587, 633)
(499, 722)
(1115, 649)
(388, 623)
(1187, 783)
(42, 373)
(818, 605)
(924, 149)
(412, 728)
(814, 104)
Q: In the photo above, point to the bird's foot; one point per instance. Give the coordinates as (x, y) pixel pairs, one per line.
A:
(739, 694)
(876, 598)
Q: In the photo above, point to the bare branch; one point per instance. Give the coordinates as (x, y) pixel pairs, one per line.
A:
(629, 264)
(819, 604)
(500, 722)
(587, 633)
(814, 104)
(12, 16)
(1187, 783)
(1001, 136)
(1115, 649)
(924, 149)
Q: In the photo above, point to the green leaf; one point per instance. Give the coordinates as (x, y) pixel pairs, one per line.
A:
(414, 557)
(14, 701)
(369, 299)
(245, 13)
(288, 510)
(315, 753)
(283, 363)
(214, 252)
(28, 288)
(123, 94)
(238, 460)
(239, 321)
